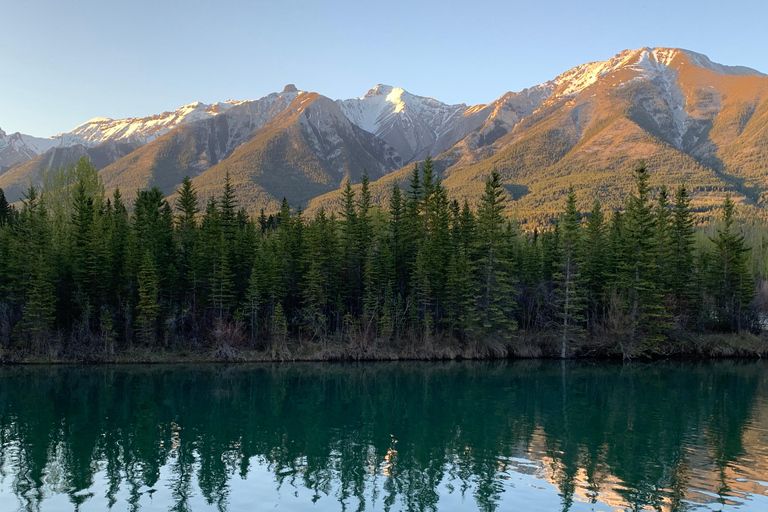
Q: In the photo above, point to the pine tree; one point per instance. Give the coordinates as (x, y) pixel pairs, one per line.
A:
(5, 210)
(228, 207)
(664, 243)
(119, 285)
(187, 235)
(253, 303)
(83, 254)
(461, 312)
(148, 308)
(640, 270)
(207, 254)
(571, 297)
(411, 235)
(153, 231)
(594, 256)
(495, 295)
(222, 283)
(35, 262)
(731, 282)
(353, 261)
(682, 278)
(321, 263)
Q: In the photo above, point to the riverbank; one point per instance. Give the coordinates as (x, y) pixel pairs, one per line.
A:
(522, 346)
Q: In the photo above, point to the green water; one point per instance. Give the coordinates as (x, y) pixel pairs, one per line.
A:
(533, 435)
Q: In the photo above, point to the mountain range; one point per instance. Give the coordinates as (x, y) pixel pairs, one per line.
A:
(692, 120)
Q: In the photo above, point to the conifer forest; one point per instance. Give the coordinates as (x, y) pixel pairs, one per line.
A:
(86, 275)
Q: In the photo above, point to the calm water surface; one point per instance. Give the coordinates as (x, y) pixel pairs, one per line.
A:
(386, 437)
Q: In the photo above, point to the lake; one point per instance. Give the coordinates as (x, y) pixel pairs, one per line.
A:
(415, 436)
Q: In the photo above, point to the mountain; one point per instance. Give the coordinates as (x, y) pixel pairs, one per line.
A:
(308, 149)
(15, 182)
(196, 146)
(692, 120)
(17, 148)
(137, 131)
(414, 125)
(158, 150)
(141, 130)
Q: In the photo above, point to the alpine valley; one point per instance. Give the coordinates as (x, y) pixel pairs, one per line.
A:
(692, 120)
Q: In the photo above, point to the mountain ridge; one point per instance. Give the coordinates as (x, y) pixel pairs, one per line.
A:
(696, 119)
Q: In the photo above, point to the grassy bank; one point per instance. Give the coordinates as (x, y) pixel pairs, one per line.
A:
(523, 346)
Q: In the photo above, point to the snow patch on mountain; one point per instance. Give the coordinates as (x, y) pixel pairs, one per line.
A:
(139, 129)
(17, 147)
(413, 125)
(645, 61)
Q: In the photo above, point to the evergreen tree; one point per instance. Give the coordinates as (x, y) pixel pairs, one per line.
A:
(682, 281)
(571, 300)
(222, 282)
(353, 260)
(732, 286)
(187, 235)
(594, 255)
(119, 284)
(207, 254)
(83, 254)
(640, 270)
(495, 299)
(253, 303)
(5, 210)
(148, 308)
(36, 271)
(461, 313)
(664, 243)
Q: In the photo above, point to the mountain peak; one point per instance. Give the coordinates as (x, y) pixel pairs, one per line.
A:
(643, 62)
(379, 90)
(290, 88)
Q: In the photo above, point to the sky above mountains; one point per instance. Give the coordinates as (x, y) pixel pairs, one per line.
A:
(63, 63)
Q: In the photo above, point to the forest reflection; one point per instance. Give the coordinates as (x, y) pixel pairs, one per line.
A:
(385, 436)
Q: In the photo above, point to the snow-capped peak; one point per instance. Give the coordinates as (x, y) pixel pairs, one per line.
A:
(378, 90)
(139, 129)
(411, 124)
(645, 62)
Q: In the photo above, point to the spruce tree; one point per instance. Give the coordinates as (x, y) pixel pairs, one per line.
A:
(664, 243)
(570, 296)
(682, 278)
(253, 303)
(495, 293)
(119, 284)
(732, 284)
(353, 261)
(187, 209)
(148, 308)
(5, 209)
(640, 270)
(594, 255)
(83, 254)
(34, 258)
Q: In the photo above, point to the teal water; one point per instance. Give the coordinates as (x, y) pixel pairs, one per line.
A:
(531, 435)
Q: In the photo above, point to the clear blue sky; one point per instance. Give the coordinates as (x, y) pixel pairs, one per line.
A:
(62, 63)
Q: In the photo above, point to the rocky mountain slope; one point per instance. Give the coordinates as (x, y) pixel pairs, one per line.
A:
(693, 120)
(307, 150)
(414, 125)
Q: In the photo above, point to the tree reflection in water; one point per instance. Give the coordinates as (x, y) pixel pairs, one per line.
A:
(384, 436)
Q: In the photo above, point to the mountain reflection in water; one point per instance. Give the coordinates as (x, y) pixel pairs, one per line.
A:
(530, 435)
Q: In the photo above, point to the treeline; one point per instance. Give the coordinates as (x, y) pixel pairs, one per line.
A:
(80, 273)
